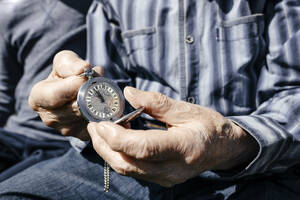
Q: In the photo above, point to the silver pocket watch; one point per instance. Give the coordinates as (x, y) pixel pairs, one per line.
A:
(101, 99)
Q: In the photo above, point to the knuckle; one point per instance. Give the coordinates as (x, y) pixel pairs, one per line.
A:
(32, 104)
(121, 171)
(190, 147)
(96, 143)
(159, 102)
(50, 122)
(66, 132)
(32, 99)
(142, 155)
(114, 143)
(75, 132)
(48, 118)
(67, 63)
(145, 150)
(129, 170)
(192, 158)
(75, 109)
(160, 99)
(61, 56)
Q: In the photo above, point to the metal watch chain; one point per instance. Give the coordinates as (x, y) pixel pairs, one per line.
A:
(106, 176)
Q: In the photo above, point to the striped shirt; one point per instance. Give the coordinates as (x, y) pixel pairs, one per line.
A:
(240, 58)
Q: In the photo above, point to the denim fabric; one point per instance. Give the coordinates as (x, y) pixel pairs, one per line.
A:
(18, 152)
(31, 33)
(80, 176)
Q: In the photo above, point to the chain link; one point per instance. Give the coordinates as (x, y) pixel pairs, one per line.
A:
(106, 177)
(89, 73)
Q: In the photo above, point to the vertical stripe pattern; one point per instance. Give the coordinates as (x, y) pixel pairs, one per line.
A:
(240, 59)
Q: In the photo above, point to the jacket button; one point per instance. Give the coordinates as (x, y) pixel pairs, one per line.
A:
(191, 99)
(189, 39)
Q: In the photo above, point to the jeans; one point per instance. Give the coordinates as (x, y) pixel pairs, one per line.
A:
(80, 176)
(18, 152)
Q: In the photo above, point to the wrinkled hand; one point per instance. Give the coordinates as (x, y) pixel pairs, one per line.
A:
(197, 139)
(54, 98)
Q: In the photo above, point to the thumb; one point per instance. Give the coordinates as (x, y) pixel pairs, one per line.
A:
(157, 105)
(67, 63)
(51, 94)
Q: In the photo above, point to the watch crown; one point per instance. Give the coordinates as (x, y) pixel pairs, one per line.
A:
(89, 73)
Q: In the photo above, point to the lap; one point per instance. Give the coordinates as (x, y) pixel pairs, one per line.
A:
(18, 152)
(74, 176)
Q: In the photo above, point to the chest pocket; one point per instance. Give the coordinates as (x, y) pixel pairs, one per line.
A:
(140, 47)
(242, 28)
(241, 47)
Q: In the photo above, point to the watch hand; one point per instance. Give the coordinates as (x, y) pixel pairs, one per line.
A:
(100, 97)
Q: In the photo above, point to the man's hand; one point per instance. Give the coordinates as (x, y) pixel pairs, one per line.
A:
(54, 99)
(197, 139)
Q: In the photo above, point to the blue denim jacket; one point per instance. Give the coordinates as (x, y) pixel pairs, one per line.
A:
(31, 33)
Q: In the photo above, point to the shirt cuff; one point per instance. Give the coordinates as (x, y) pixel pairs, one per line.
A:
(77, 144)
(272, 140)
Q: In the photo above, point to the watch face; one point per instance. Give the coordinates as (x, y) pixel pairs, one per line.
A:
(100, 99)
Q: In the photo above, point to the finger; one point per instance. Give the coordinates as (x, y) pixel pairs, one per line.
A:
(67, 120)
(55, 93)
(102, 148)
(154, 145)
(159, 106)
(99, 71)
(115, 159)
(67, 63)
(128, 166)
(166, 173)
(65, 115)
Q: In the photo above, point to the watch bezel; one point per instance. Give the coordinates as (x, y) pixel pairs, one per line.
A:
(84, 89)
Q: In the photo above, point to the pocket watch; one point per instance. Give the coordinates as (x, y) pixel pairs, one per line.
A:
(101, 99)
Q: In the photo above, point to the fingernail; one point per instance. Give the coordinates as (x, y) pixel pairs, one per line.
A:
(130, 90)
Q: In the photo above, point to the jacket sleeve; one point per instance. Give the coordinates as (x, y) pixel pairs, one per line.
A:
(276, 123)
(9, 76)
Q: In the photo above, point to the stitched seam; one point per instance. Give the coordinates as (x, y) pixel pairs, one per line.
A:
(222, 61)
(145, 31)
(287, 21)
(242, 20)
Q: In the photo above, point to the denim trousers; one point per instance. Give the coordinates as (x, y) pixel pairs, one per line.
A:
(77, 175)
(18, 152)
